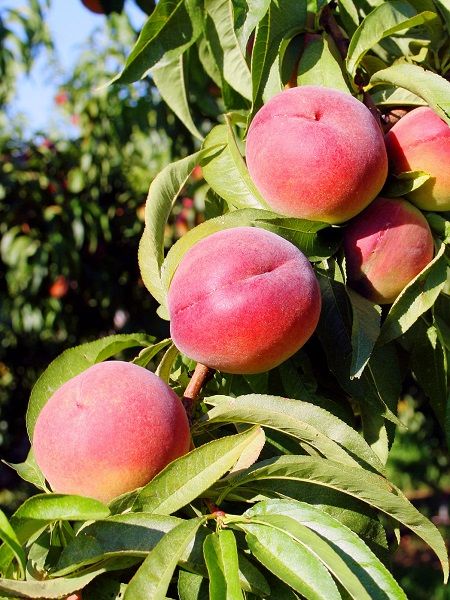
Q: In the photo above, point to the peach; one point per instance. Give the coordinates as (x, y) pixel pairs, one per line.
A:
(420, 141)
(109, 430)
(316, 153)
(386, 246)
(243, 300)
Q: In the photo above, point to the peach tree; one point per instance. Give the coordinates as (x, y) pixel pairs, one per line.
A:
(313, 293)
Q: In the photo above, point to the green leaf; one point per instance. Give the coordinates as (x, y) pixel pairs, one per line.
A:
(29, 471)
(343, 553)
(395, 96)
(440, 226)
(74, 361)
(163, 192)
(221, 559)
(60, 507)
(52, 588)
(170, 79)
(434, 89)
(146, 355)
(400, 185)
(165, 366)
(318, 66)
(226, 172)
(417, 297)
(384, 20)
(303, 420)
(290, 561)
(429, 365)
(129, 534)
(170, 30)
(348, 12)
(192, 586)
(365, 331)
(9, 537)
(189, 476)
(233, 65)
(283, 19)
(359, 483)
(153, 577)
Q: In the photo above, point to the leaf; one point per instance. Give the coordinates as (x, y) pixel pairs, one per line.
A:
(170, 80)
(384, 20)
(165, 366)
(52, 588)
(429, 365)
(417, 297)
(303, 420)
(74, 361)
(29, 471)
(318, 66)
(192, 586)
(365, 331)
(233, 65)
(153, 577)
(189, 476)
(221, 559)
(283, 19)
(364, 485)
(400, 185)
(395, 96)
(343, 553)
(289, 561)
(9, 537)
(170, 30)
(434, 89)
(129, 534)
(163, 192)
(60, 507)
(440, 226)
(225, 170)
(146, 355)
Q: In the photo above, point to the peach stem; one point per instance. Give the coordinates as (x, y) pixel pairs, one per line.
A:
(200, 376)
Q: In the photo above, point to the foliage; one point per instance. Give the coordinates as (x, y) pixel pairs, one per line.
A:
(285, 492)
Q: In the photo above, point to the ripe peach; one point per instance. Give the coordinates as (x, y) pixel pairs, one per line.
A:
(109, 430)
(316, 153)
(386, 246)
(420, 141)
(243, 300)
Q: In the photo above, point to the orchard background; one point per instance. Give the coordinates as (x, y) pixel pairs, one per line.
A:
(72, 204)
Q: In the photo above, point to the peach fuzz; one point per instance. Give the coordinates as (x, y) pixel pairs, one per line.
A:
(243, 300)
(420, 141)
(386, 246)
(109, 430)
(316, 153)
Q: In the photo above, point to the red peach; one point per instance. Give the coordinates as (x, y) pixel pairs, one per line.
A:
(59, 287)
(243, 300)
(316, 153)
(386, 246)
(420, 141)
(109, 430)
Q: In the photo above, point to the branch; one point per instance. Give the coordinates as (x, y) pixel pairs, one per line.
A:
(202, 375)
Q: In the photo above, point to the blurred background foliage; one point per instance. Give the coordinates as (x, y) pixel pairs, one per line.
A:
(71, 215)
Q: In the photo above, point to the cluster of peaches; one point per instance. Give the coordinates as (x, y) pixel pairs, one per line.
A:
(243, 300)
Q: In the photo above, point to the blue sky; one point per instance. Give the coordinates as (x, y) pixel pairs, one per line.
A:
(70, 24)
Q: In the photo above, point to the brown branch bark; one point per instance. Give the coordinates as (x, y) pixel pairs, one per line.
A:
(201, 375)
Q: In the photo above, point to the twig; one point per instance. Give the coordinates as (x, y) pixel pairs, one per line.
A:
(200, 376)
(330, 25)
